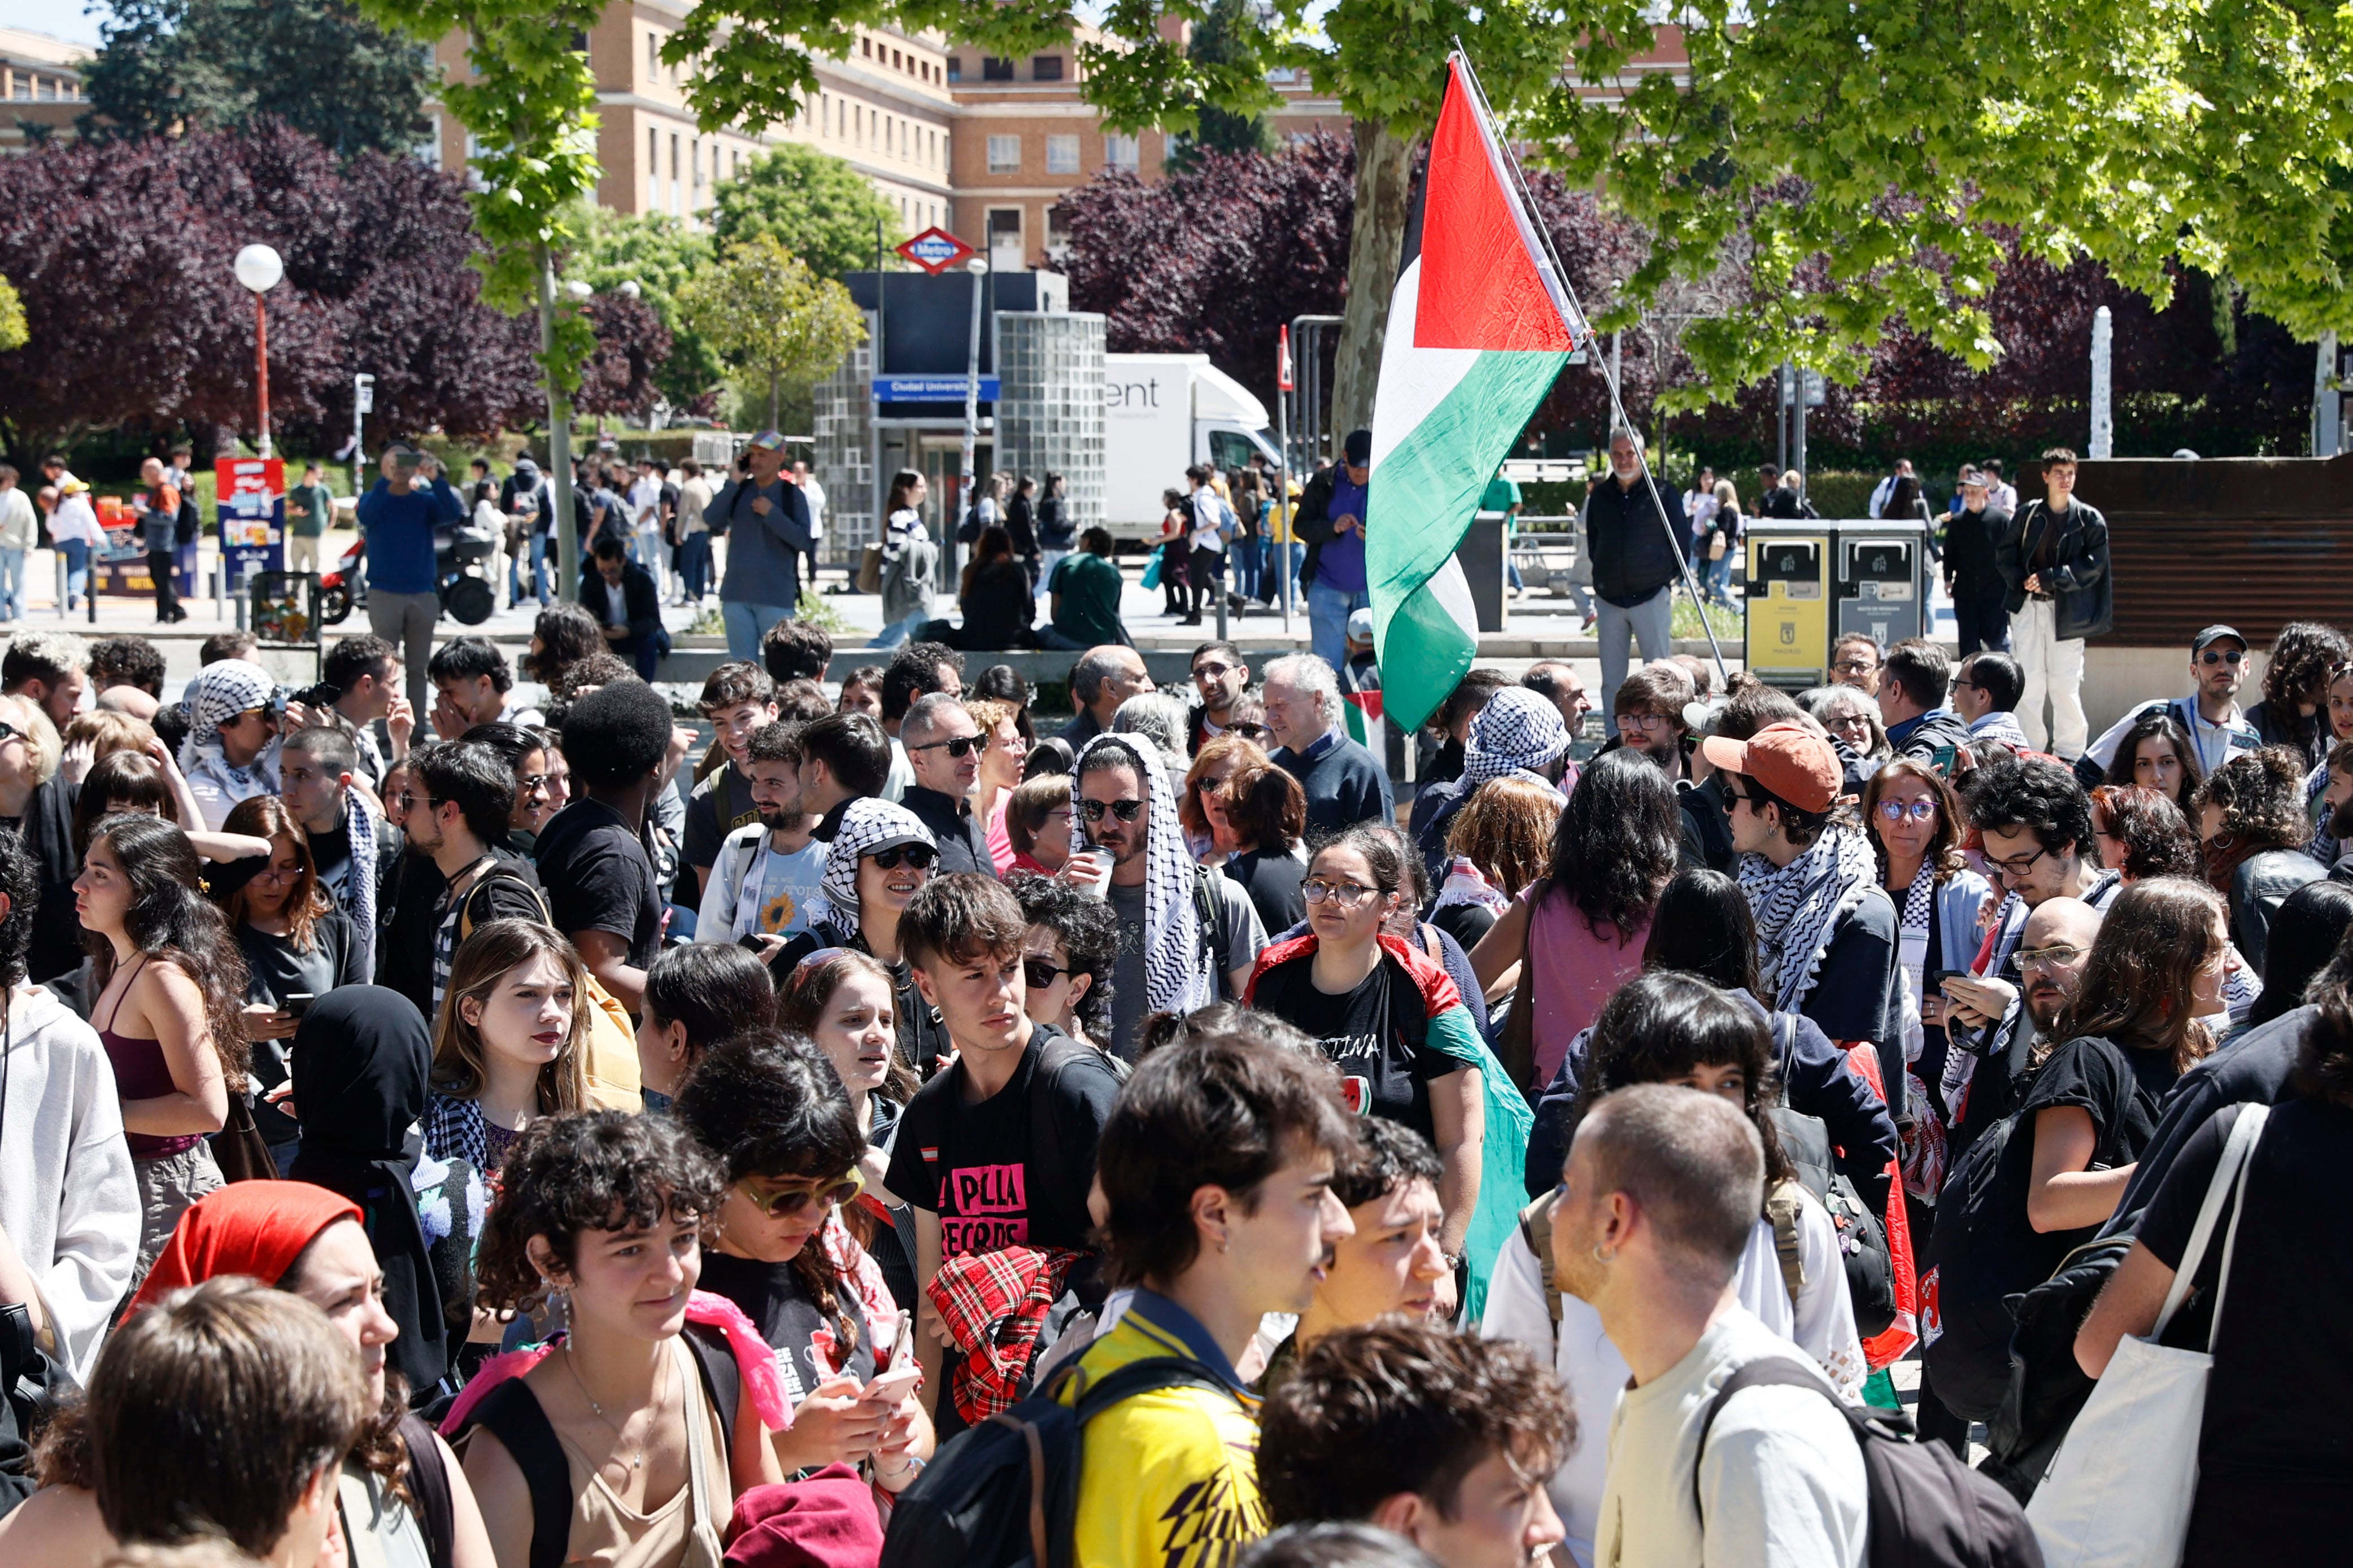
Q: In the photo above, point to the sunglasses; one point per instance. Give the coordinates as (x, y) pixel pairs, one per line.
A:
(8, 731)
(1042, 974)
(1733, 799)
(1125, 810)
(789, 1202)
(2222, 655)
(962, 746)
(532, 783)
(1210, 670)
(919, 856)
(1897, 810)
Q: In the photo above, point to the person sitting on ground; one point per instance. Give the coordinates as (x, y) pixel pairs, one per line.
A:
(696, 994)
(770, 1109)
(1444, 1439)
(1657, 1213)
(1037, 814)
(1671, 1028)
(1083, 594)
(1216, 1168)
(1067, 960)
(2252, 825)
(995, 597)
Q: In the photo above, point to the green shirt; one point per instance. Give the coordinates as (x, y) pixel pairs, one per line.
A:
(1502, 495)
(308, 508)
(1089, 586)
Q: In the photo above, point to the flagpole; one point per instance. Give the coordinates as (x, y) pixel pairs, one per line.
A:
(1617, 419)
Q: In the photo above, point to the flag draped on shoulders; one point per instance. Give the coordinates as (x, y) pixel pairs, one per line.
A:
(1481, 324)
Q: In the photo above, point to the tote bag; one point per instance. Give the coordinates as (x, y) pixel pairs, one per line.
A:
(1152, 567)
(2120, 1488)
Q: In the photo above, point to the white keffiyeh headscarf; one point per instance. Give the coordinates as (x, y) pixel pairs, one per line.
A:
(221, 691)
(1174, 978)
(1797, 907)
(867, 826)
(1519, 732)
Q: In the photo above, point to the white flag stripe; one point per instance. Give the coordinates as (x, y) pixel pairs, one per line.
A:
(1413, 381)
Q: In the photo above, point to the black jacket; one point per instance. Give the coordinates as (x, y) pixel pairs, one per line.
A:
(2078, 576)
(999, 608)
(1055, 531)
(1019, 526)
(48, 830)
(963, 836)
(640, 600)
(1310, 524)
(1633, 557)
(1972, 554)
(1939, 728)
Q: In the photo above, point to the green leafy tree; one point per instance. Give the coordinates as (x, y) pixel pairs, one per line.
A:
(169, 66)
(13, 334)
(1220, 130)
(658, 254)
(769, 314)
(815, 205)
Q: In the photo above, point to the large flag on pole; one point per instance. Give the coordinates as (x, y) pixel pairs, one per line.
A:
(1480, 326)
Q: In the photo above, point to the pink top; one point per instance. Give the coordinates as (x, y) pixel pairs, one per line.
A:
(1573, 967)
(1000, 847)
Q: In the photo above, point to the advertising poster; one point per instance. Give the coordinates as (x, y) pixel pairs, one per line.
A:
(252, 510)
(120, 565)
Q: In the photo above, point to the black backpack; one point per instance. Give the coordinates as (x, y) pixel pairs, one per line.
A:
(191, 523)
(1966, 1326)
(1862, 1237)
(1004, 1494)
(1927, 1509)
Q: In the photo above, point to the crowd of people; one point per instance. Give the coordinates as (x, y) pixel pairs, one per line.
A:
(442, 1129)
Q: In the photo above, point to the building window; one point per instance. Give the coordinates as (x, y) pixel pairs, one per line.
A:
(653, 52)
(896, 62)
(865, 46)
(994, 69)
(1046, 68)
(1004, 239)
(23, 87)
(1121, 152)
(1005, 155)
(956, 67)
(653, 170)
(1058, 233)
(1061, 154)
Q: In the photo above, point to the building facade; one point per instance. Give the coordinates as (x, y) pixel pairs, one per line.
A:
(40, 86)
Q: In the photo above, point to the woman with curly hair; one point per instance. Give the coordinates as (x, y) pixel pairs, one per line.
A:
(1575, 935)
(169, 1010)
(601, 1214)
(2142, 833)
(2305, 659)
(2155, 753)
(562, 637)
(1497, 844)
(2251, 822)
(771, 1111)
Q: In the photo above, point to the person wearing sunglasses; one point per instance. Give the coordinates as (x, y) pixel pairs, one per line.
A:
(1067, 958)
(1004, 754)
(944, 750)
(770, 1108)
(2210, 714)
(881, 858)
(231, 752)
(1985, 694)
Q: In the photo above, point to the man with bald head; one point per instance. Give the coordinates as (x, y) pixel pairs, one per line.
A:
(2052, 955)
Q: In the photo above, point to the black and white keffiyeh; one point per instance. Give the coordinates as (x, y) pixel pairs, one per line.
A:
(221, 691)
(867, 826)
(1797, 907)
(1519, 732)
(1175, 980)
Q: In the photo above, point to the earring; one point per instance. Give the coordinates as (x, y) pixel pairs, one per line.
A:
(1601, 1256)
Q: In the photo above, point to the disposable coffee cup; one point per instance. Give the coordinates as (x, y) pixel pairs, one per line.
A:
(1094, 871)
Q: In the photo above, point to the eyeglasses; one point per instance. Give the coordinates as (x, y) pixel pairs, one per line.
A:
(1646, 722)
(918, 857)
(8, 731)
(2017, 865)
(1348, 895)
(2222, 655)
(532, 783)
(1040, 973)
(2056, 957)
(787, 1202)
(961, 746)
(1211, 669)
(1125, 810)
(277, 877)
(1855, 665)
(1897, 810)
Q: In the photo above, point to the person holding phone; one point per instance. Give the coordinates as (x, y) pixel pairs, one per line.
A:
(398, 516)
(297, 944)
(771, 1109)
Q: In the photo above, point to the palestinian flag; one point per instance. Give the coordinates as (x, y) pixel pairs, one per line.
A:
(1479, 328)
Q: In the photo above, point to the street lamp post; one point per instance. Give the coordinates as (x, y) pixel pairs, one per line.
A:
(259, 269)
(978, 267)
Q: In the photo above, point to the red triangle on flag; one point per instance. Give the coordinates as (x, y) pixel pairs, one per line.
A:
(1481, 286)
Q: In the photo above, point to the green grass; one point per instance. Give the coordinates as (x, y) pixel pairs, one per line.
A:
(1727, 623)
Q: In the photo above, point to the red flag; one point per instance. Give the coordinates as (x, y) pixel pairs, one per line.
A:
(1283, 359)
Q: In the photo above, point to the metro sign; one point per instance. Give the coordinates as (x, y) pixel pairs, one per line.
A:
(935, 251)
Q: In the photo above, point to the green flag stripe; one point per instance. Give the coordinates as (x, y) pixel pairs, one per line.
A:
(1424, 656)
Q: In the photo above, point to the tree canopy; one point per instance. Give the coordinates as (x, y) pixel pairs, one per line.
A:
(168, 66)
(769, 314)
(659, 254)
(813, 204)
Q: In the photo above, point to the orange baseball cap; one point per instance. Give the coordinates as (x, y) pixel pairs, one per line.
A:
(1792, 762)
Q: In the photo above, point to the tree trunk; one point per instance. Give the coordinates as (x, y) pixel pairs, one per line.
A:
(1376, 243)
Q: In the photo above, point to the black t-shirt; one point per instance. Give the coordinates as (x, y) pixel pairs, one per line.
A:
(985, 1170)
(1466, 923)
(776, 1300)
(277, 969)
(1272, 882)
(599, 877)
(705, 831)
(331, 852)
(2274, 1448)
(1363, 1033)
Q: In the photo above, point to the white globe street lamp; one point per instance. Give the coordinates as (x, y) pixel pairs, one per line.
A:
(259, 269)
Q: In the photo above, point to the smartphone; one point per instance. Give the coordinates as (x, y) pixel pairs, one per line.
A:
(890, 1387)
(299, 1003)
(1941, 759)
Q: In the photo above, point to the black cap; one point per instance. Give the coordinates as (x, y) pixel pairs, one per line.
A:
(1358, 448)
(2211, 635)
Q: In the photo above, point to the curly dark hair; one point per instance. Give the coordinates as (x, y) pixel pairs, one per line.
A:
(1661, 1025)
(2158, 839)
(616, 734)
(2261, 796)
(2043, 798)
(2303, 656)
(1387, 1156)
(567, 634)
(172, 921)
(2136, 986)
(20, 883)
(127, 661)
(1617, 842)
(1090, 937)
(591, 1170)
(2160, 725)
(1396, 1407)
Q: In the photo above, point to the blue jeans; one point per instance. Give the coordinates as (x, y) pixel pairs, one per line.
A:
(1719, 580)
(1328, 609)
(542, 573)
(1275, 569)
(12, 584)
(898, 632)
(76, 553)
(694, 565)
(1245, 552)
(747, 624)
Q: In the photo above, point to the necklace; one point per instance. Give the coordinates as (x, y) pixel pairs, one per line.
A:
(639, 1462)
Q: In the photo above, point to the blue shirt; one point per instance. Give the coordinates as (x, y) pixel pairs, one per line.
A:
(1340, 561)
(400, 533)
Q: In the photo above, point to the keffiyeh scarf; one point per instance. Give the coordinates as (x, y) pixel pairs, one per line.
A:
(1466, 884)
(866, 825)
(1797, 907)
(1519, 732)
(1174, 978)
(220, 692)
